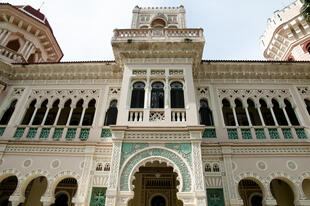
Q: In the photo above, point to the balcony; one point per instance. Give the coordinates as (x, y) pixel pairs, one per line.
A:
(54, 133)
(10, 55)
(156, 116)
(157, 34)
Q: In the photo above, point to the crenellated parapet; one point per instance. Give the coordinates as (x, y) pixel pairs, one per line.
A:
(287, 36)
(26, 36)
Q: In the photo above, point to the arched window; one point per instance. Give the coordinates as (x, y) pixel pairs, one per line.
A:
(106, 167)
(64, 114)
(279, 113)
(29, 113)
(255, 119)
(89, 113)
(228, 113)
(137, 96)
(40, 113)
(77, 113)
(52, 113)
(99, 167)
(308, 47)
(177, 95)
(13, 44)
(307, 102)
(268, 119)
(216, 167)
(157, 95)
(207, 167)
(111, 114)
(291, 113)
(241, 115)
(205, 114)
(8, 113)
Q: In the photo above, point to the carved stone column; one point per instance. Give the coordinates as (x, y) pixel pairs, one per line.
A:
(199, 186)
(232, 195)
(111, 194)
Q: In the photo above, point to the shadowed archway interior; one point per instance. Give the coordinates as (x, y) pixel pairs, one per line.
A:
(155, 185)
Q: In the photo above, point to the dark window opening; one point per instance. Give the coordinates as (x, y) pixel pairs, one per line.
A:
(228, 113)
(111, 114)
(254, 115)
(52, 113)
(89, 113)
(157, 95)
(137, 96)
(13, 44)
(177, 95)
(280, 116)
(307, 102)
(205, 114)
(266, 113)
(31, 58)
(8, 113)
(64, 114)
(241, 115)
(29, 113)
(77, 113)
(308, 48)
(40, 114)
(291, 113)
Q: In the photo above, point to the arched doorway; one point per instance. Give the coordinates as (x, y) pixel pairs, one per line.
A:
(250, 192)
(65, 191)
(155, 184)
(34, 190)
(158, 200)
(7, 187)
(306, 187)
(282, 192)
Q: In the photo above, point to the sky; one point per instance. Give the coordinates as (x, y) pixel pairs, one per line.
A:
(84, 29)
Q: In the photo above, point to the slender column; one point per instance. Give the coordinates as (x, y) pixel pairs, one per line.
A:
(45, 115)
(6, 37)
(33, 115)
(274, 116)
(261, 116)
(147, 93)
(24, 47)
(248, 116)
(167, 95)
(69, 117)
(235, 116)
(2, 34)
(286, 116)
(82, 116)
(29, 52)
(57, 116)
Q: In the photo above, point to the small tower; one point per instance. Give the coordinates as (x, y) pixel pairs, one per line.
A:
(158, 17)
(287, 37)
(26, 36)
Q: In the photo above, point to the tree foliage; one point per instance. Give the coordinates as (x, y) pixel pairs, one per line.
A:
(305, 9)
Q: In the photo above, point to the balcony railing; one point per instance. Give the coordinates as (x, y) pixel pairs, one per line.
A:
(11, 55)
(267, 133)
(143, 34)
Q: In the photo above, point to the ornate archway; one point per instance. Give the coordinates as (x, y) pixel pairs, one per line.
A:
(132, 165)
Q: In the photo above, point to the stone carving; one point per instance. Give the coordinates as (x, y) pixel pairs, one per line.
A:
(113, 177)
(213, 181)
(184, 149)
(162, 136)
(197, 167)
(261, 165)
(100, 180)
(157, 116)
(255, 95)
(129, 148)
(291, 165)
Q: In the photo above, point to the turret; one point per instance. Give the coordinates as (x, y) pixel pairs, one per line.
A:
(287, 37)
(26, 36)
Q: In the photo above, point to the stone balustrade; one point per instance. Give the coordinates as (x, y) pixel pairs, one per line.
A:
(140, 34)
(11, 55)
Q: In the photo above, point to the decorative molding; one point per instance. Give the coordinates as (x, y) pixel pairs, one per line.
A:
(214, 182)
(100, 180)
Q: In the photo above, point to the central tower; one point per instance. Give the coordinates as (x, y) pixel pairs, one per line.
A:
(157, 121)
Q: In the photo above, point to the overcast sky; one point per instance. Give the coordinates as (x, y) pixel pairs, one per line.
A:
(84, 28)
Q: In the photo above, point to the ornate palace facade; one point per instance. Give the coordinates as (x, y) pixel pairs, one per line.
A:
(158, 126)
